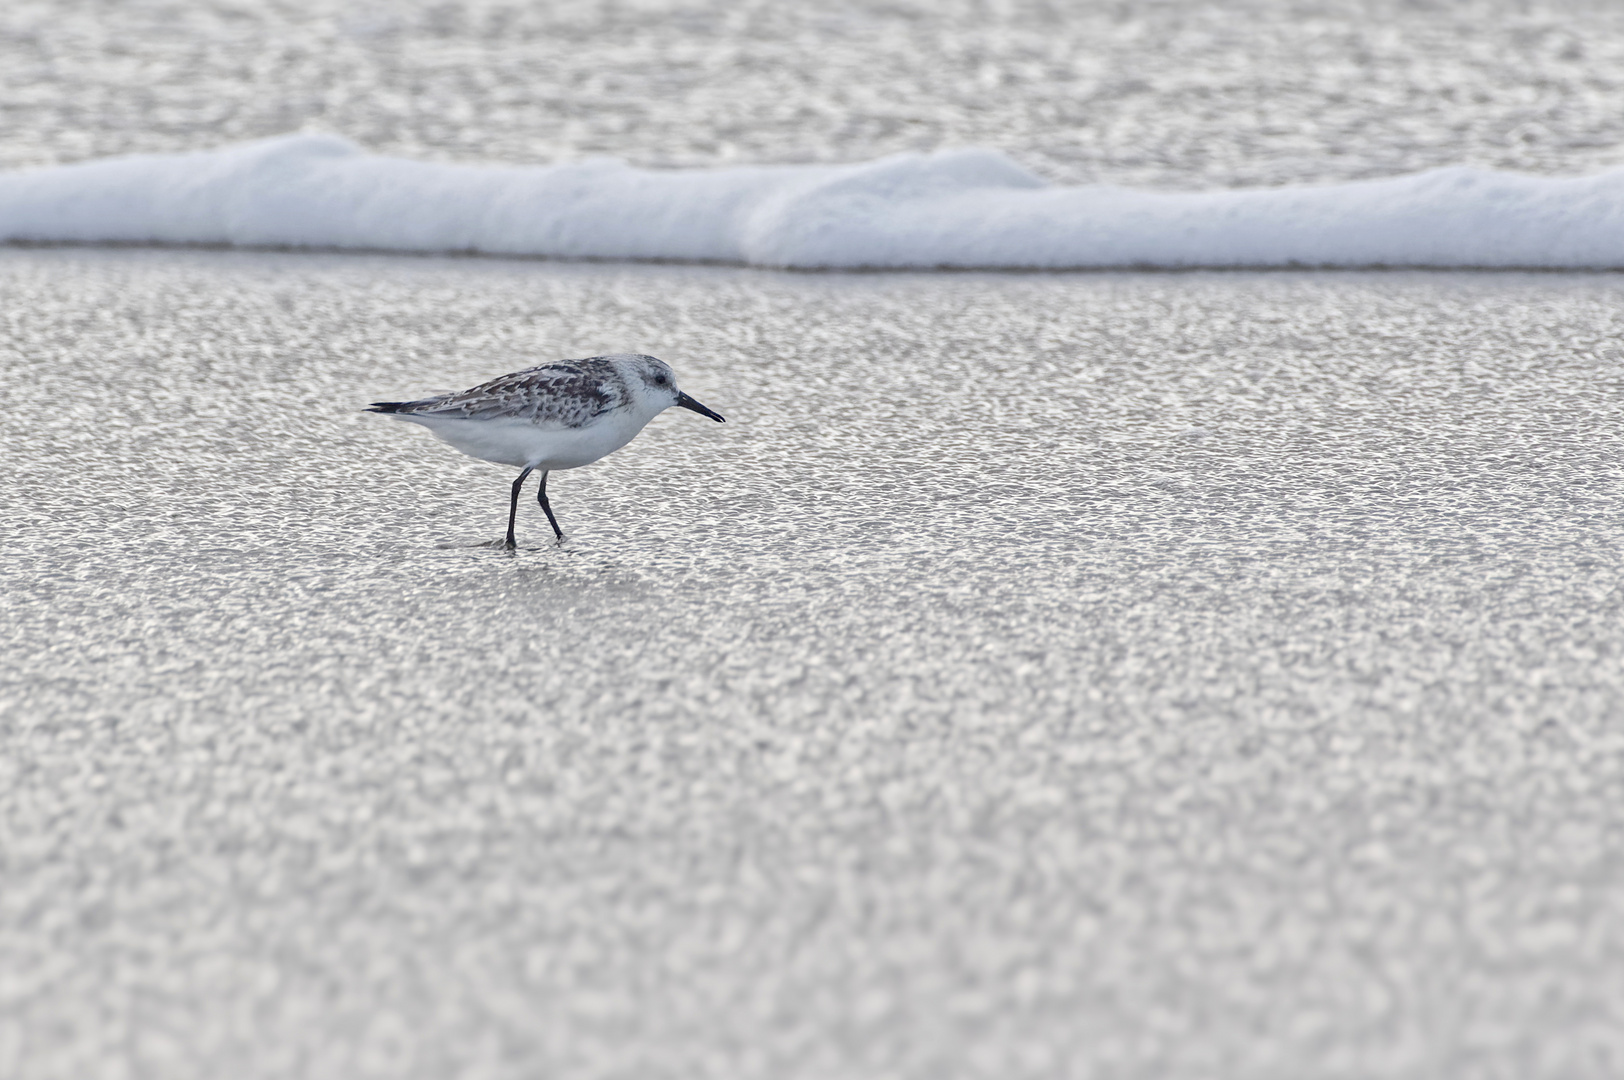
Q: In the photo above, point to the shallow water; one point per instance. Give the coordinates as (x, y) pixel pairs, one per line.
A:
(1166, 93)
(1108, 674)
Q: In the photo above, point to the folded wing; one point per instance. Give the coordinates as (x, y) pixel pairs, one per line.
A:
(565, 395)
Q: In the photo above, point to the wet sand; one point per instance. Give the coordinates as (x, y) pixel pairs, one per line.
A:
(1097, 674)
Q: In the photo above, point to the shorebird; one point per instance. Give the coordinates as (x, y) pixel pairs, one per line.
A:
(555, 416)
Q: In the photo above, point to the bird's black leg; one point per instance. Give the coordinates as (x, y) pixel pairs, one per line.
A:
(541, 497)
(513, 507)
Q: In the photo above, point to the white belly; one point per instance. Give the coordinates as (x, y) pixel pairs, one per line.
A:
(525, 445)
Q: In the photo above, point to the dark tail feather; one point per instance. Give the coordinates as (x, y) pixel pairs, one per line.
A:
(388, 406)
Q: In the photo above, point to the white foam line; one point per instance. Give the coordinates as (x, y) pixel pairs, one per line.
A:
(964, 208)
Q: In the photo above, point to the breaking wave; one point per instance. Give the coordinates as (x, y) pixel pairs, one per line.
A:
(961, 208)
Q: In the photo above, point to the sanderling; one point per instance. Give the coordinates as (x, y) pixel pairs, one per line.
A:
(556, 416)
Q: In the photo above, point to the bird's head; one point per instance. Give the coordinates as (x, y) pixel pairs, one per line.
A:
(654, 384)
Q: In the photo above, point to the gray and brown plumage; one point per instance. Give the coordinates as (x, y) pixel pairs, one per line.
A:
(555, 416)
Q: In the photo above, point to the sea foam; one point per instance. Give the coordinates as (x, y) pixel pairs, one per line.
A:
(958, 208)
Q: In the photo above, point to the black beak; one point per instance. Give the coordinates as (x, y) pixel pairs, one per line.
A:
(686, 402)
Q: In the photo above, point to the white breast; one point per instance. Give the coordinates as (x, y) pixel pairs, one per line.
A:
(523, 444)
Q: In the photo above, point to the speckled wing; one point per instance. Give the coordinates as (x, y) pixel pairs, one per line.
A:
(565, 395)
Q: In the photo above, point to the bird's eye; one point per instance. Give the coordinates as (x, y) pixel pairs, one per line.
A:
(661, 380)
